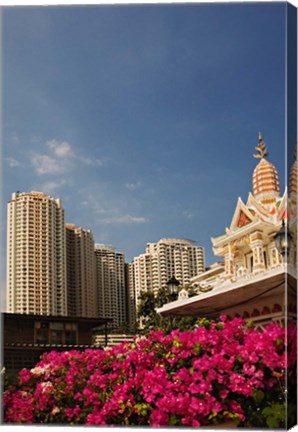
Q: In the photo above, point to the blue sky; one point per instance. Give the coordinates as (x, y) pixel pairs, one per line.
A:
(142, 119)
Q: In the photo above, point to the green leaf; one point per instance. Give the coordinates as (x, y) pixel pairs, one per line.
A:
(258, 396)
(249, 324)
(197, 347)
(176, 343)
(278, 342)
(173, 420)
(212, 415)
(275, 415)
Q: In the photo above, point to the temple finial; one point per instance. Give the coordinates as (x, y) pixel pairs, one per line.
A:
(261, 148)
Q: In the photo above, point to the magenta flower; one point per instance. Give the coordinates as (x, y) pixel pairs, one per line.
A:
(192, 378)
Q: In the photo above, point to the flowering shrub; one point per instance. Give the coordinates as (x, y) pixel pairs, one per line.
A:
(219, 371)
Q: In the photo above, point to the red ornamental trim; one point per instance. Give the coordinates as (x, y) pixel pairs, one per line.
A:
(243, 220)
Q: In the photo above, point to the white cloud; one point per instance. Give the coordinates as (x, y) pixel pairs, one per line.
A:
(60, 149)
(45, 164)
(109, 209)
(14, 138)
(126, 220)
(13, 162)
(90, 162)
(188, 214)
(35, 139)
(100, 211)
(133, 186)
(50, 186)
(59, 158)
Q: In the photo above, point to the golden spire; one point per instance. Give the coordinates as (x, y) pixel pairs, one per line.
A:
(261, 148)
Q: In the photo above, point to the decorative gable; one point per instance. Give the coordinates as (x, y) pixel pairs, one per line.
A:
(243, 220)
(242, 216)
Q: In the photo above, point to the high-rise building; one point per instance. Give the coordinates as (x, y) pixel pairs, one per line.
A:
(130, 296)
(167, 258)
(36, 255)
(110, 279)
(81, 275)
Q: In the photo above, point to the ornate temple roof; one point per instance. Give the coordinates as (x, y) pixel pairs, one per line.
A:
(265, 181)
(264, 209)
(253, 279)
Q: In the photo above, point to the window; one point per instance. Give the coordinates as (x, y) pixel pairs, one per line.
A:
(56, 333)
(42, 333)
(56, 337)
(71, 337)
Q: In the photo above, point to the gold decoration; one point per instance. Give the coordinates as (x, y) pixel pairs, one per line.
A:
(261, 148)
(247, 240)
(233, 246)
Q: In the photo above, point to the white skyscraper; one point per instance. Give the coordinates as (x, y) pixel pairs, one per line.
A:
(111, 292)
(131, 296)
(167, 258)
(36, 255)
(81, 274)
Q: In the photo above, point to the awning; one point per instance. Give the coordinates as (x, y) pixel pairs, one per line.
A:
(230, 295)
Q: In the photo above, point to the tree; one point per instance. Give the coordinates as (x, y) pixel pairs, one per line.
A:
(147, 306)
(149, 319)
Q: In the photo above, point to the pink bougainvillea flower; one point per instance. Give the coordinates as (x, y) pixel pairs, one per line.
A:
(191, 378)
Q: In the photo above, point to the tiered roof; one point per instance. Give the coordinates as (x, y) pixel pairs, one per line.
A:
(264, 207)
(265, 181)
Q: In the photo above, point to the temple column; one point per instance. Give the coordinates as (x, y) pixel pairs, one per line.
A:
(229, 263)
(274, 256)
(257, 246)
(239, 261)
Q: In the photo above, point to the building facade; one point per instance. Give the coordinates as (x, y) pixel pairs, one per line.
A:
(130, 296)
(205, 281)
(26, 337)
(36, 255)
(162, 260)
(110, 283)
(81, 275)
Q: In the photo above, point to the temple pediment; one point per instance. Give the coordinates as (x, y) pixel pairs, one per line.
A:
(242, 216)
(243, 220)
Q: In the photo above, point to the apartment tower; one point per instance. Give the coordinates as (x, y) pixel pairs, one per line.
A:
(110, 280)
(130, 296)
(81, 275)
(36, 255)
(167, 258)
